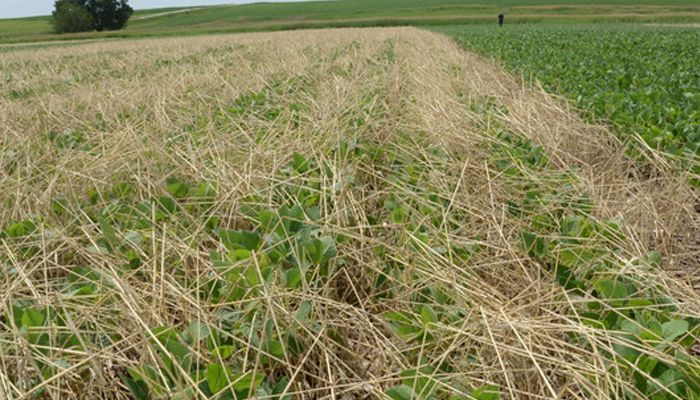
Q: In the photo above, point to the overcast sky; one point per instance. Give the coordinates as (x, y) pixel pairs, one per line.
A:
(24, 8)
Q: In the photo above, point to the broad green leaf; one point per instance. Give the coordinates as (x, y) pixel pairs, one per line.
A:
(299, 163)
(439, 295)
(611, 289)
(428, 315)
(205, 191)
(626, 352)
(84, 290)
(108, 232)
(401, 392)
(197, 331)
(275, 348)
(121, 190)
(535, 245)
(570, 226)
(647, 363)
(151, 378)
(654, 259)
(304, 310)
(217, 377)
(631, 327)
(32, 318)
(166, 205)
(179, 350)
(674, 328)
(294, 345)
(421, 380)
(314, 251)
(279, 388)
(60, 206)
(235, 240)
(239, 254)
(223, 352)
(398, 317)
(653, 331)
(293, 277)
(19, 229)
(487, 392)
(137, 388)
(329, 249)
(399, 215)
(164, 334)
(267, 220)
(403, 325)
(247, 381)
(178, 189)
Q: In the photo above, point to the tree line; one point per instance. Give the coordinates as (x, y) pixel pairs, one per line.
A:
(90, 15)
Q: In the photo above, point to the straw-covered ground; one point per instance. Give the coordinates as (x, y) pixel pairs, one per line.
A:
(338, 214)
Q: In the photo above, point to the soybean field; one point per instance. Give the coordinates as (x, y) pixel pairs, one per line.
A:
(642, 80)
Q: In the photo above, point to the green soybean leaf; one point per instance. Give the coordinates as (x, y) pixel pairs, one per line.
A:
(304, 310)
(137, 388)
(217, 377)
(247, 381)
(401, 392)
(121, 190)
(223, 352)
(275, 348)
(178, 189)
(653, 331)
(611, 289)
(427, 315)
(329, 249)
(654, 259)
(299, 163)
(197, 331)
(279, 388)
(674, 328)
(236, 240)
(32, 318)
(535, 245)
(293, 277)
(108, 232)
(421, 380)
(487, 392)
(19, 229)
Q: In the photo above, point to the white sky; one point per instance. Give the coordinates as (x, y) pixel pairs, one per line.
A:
(25, 8)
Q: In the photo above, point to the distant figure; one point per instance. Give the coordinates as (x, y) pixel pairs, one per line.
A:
(501, 18)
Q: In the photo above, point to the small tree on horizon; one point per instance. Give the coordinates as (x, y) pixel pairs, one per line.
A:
(73, 15)
(69, 16)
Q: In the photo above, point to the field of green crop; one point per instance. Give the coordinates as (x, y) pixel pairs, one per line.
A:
(363, 13)
(642, 80)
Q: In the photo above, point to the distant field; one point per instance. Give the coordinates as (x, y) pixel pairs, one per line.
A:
(39, 28)
(276, 16)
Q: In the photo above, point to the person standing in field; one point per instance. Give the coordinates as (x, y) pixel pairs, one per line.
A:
(501, 19)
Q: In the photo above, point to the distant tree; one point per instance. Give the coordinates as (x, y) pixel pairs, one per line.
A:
(70, 16)
(109, 14)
